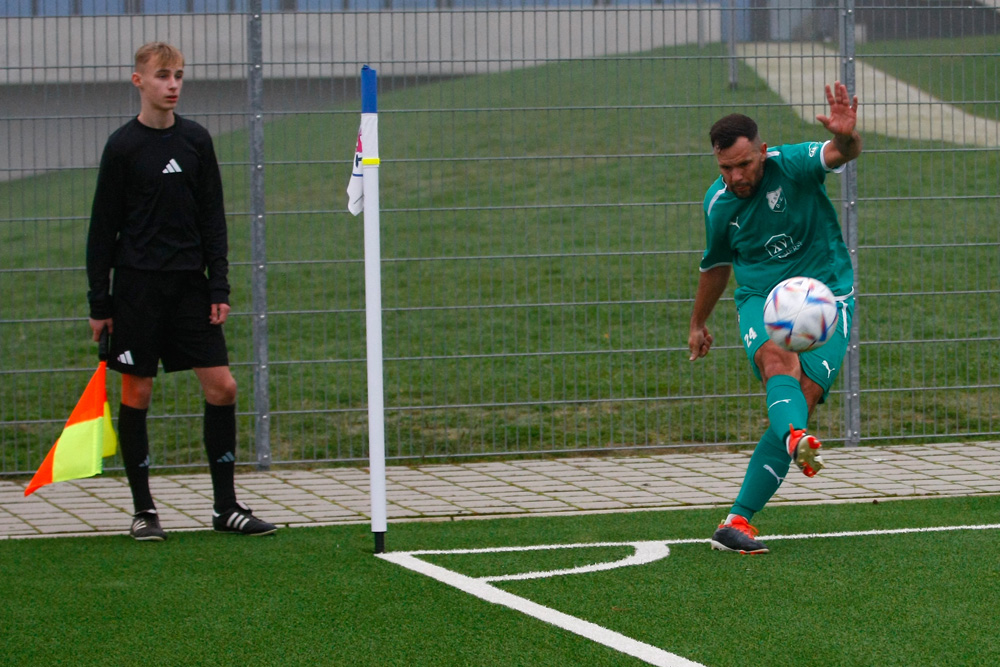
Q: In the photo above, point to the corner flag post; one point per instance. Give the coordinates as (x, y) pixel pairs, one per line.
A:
(373, 303)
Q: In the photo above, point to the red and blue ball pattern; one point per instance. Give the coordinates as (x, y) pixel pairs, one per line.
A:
(800, 314)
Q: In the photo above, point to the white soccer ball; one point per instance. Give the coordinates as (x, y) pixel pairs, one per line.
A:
(800, 314)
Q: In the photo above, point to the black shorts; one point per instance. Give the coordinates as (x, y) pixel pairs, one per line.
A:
(163, 315)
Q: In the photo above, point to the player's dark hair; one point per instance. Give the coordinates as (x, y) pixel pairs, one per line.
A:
(729, 128)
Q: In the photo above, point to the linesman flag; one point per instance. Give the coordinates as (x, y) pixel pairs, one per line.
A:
(87, 437)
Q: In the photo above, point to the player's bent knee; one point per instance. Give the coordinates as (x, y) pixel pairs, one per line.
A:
(219, 385)
(137, 392)
(223, 393)
(772, 360)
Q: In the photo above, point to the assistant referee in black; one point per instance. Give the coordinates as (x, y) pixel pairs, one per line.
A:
(158, 222)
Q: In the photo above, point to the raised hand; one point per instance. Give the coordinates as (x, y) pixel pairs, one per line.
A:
(843, 110)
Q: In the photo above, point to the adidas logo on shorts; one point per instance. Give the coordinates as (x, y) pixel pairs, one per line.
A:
(126, 358)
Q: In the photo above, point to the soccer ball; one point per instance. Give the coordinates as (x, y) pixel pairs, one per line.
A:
(800, 314)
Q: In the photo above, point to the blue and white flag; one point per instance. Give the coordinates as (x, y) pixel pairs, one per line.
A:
(355, 189)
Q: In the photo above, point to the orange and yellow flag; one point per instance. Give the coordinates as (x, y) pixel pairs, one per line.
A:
(87, 437)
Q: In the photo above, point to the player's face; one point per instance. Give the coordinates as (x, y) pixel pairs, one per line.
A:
(160, 84)
(742, 166)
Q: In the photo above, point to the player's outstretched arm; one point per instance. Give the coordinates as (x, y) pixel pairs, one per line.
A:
(841, 122)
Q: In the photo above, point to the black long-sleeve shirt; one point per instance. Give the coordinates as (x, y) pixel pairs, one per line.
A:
(158, 207)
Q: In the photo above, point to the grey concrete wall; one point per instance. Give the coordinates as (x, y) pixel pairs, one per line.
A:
(99, 49)
(64, 82)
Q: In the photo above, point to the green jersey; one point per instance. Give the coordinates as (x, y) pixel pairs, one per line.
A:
(787, 228)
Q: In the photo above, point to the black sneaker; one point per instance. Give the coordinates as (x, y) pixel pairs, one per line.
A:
(738, 535)
(241, 520)
(146, 527)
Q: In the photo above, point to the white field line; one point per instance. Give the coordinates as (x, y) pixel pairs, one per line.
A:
(645, 552)
(485, 591)
(886, 105)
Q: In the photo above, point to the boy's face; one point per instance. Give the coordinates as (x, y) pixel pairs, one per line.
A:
(159, 84)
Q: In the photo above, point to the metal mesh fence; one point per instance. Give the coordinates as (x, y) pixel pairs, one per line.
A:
(543, 168)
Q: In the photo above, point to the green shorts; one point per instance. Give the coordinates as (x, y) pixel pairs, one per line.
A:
(820, 365)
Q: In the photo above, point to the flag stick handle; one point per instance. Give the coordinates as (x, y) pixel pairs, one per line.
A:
(103, 345)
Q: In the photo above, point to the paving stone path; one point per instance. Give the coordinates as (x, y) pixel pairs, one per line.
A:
(102, 505)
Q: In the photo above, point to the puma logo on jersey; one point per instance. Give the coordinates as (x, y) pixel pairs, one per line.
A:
(735, 222)
(172, 167)
(829, 370)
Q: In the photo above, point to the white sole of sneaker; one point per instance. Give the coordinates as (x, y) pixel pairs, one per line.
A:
(719, 546)
(236, 532)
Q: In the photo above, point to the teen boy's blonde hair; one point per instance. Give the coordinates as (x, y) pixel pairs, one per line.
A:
(159, 53)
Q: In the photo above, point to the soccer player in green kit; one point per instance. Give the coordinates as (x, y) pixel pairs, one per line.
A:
(768, 218)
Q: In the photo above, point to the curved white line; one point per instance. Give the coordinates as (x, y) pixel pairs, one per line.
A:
(614, 640)
(645, 552)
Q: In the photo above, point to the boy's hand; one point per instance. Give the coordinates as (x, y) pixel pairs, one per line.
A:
(97, 326)
(219, 313)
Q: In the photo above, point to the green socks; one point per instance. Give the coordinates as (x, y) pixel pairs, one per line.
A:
(769, 464)
(767, 469)
(786, 405)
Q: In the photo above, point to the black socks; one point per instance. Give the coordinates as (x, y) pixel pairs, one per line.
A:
(134, 441)
(220, 445)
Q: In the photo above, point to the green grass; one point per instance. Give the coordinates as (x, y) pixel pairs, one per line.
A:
(963, 71)
(540, 233)
(313, 596)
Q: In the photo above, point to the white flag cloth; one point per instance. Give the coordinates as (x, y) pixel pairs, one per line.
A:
(355, 189)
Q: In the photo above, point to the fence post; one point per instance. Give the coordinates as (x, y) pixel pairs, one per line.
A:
(849, 186)
(734, 81)
(258, 238)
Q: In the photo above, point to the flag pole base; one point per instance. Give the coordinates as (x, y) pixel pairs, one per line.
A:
(380, 543)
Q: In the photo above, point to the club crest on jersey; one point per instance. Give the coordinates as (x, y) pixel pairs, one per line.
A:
(776, 200)
(781, 245)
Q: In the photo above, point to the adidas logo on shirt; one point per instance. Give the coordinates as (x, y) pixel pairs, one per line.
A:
(172, 167)
(126, 358)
